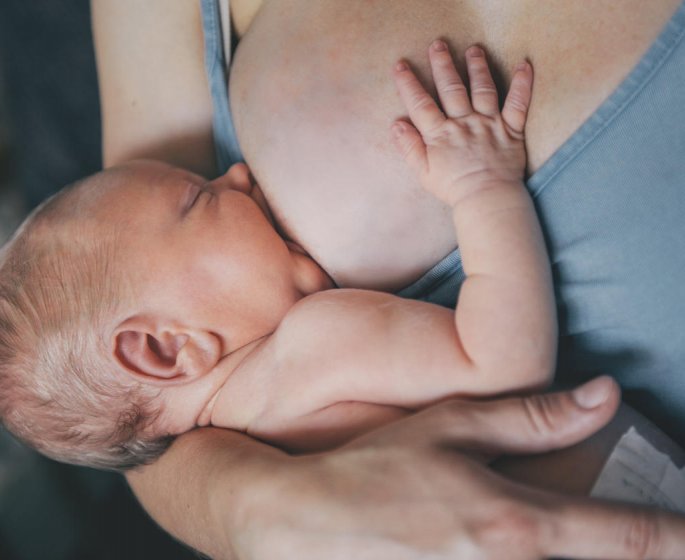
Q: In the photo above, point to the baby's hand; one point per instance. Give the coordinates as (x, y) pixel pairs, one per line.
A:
(468, 145)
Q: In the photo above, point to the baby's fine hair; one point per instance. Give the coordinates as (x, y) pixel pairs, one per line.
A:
(59, 389)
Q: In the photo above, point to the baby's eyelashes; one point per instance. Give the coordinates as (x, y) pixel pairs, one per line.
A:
(193, 195)
(189, 197)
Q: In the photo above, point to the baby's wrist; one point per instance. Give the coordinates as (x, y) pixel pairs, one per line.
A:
(486, 192)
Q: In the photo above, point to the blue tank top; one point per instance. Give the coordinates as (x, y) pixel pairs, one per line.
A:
(612, 204)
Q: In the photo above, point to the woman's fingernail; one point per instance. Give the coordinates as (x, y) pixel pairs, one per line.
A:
(594, 393)
(439, 45)
(401, 66)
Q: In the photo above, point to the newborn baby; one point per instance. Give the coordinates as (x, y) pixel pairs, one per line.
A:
(144, 301)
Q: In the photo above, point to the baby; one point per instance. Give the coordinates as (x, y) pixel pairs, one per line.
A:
(144, 301)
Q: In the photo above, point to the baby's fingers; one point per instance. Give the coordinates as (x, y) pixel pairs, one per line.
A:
(451, 89)
(422, 108)
(515, 110)
(483, 91)
(411, 146)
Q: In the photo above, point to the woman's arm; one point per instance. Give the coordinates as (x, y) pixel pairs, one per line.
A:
(414, 488)
(153, 89)
(201, 490)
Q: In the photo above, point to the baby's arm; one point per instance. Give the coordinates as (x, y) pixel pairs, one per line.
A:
(345, 361)
(472, 157)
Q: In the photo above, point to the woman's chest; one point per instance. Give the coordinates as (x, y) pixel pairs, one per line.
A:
(340, 52)
(313, 101)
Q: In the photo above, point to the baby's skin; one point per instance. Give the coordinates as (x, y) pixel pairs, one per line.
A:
(219, 321)
(240, 330)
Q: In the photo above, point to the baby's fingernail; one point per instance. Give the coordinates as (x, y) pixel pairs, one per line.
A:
(475, 51)
(401, 66)
(397, 129)
(521, 66)
(592, 394)
(439, 45)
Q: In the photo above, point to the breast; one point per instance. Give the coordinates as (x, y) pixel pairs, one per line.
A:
(313, 102)
(313, 108)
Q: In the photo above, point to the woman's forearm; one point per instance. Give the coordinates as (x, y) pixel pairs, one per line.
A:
(198, 490)
(154, 95)
(403, 491)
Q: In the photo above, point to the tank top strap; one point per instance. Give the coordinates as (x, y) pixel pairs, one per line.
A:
(225, 14)
(216, 24)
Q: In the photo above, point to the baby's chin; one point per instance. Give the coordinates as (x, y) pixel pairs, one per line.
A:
(311, 278)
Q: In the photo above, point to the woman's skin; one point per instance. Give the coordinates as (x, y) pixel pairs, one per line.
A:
(574, 470)
(321, 70)
(313, 101)
(414, 489)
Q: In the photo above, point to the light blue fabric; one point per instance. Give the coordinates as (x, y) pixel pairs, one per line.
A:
(612, 204)
(441, 284)
(225, 141)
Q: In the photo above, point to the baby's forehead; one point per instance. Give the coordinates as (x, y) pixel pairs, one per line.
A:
(75, 212)
(74, 205)
(109, 199)
(129, 184)
(145, 180)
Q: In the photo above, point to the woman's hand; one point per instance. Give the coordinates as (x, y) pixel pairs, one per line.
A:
(469, 144)
(421, 488)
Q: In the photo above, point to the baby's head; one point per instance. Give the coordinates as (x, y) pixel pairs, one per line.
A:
(59, 285)
(118, 299)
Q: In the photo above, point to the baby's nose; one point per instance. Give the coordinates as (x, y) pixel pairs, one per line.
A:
(237, 178)
(240, 173)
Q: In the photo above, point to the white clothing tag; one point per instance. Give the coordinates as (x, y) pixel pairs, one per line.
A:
(636, 472)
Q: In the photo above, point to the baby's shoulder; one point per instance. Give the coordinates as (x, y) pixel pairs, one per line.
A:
(333, 321)
(336, 308)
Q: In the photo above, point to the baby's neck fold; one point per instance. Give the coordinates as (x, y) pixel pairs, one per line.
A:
(235, 402)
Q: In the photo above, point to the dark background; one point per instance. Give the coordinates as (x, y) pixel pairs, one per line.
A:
(49, 137)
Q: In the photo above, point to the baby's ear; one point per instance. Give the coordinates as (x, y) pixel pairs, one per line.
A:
(161, 353)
